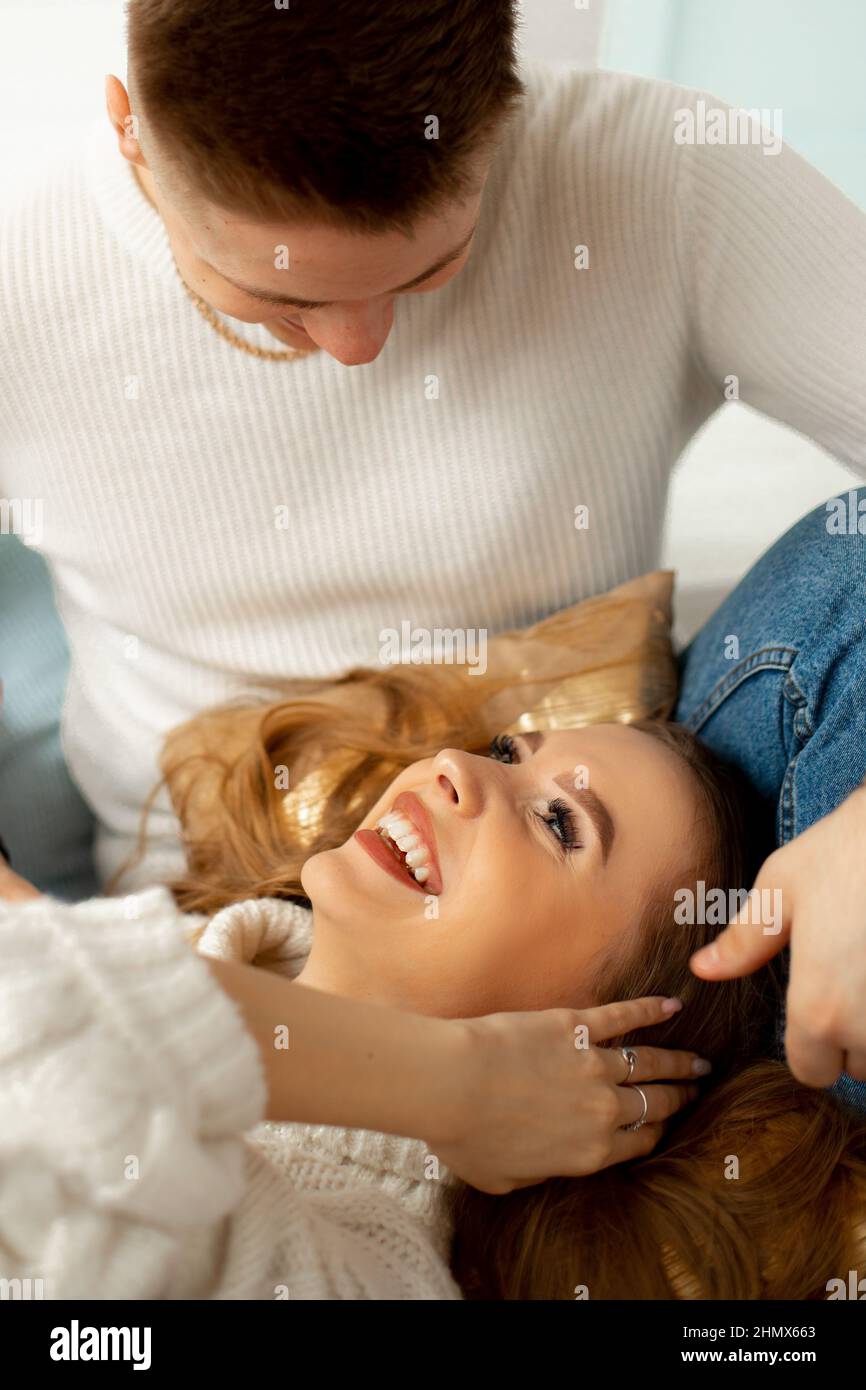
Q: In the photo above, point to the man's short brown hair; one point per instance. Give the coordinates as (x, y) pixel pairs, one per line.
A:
(323, 110)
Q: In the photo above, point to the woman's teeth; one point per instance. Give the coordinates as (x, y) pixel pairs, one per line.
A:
(402, 833)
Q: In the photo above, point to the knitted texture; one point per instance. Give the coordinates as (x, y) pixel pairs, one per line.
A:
(133, 1160)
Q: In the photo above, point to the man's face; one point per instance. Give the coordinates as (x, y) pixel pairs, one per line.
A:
(309, 284)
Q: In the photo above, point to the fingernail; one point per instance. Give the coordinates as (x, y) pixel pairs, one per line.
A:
(672, 1006)
(701, 1067)
(707, 955)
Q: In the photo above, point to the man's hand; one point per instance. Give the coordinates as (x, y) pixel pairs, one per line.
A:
(813, 894)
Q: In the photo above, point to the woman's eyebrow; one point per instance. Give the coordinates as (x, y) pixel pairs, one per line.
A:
(595, 809)
(323, 303)
(584, 797)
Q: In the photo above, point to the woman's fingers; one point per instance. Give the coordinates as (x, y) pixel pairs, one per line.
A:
(611, 1020)
(653, 1064)
(634, 1143)
(661, 1102)
(625, 1145)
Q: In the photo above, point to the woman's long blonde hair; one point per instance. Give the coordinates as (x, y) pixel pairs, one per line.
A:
(758, 1192)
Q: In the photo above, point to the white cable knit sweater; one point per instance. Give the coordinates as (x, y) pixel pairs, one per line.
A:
(133, 1163)
(161, 453)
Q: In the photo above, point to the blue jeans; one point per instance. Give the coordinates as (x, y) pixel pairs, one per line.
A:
(775, 681)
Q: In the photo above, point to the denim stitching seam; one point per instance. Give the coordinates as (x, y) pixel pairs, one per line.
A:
(796, 696)
(803, 730)
(788, 803)
(767, 659)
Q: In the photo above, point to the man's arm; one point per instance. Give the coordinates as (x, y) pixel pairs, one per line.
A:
(773, 257)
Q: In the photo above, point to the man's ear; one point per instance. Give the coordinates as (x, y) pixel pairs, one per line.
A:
(123, 120)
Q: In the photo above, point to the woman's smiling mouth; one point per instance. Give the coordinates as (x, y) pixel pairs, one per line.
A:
(404, 845)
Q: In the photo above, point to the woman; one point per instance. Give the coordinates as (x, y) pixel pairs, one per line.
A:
(539, 895)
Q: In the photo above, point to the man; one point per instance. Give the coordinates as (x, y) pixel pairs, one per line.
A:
(543, 291)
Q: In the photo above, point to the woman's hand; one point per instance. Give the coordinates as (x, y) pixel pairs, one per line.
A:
(14, 888)
(542, 1099)
(811, 892)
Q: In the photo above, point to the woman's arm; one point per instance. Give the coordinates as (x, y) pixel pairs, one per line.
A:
(330, 1060)
(503, 1101)
(127, 1083)
(335, 1061)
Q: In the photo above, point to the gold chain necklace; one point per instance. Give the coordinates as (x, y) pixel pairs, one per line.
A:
(270, 355)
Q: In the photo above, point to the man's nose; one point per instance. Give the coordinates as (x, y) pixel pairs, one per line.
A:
(353, 335)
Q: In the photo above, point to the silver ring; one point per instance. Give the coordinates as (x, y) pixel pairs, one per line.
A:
(637, 1124)
(630, 1057)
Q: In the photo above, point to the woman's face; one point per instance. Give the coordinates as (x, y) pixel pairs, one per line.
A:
(538, 860)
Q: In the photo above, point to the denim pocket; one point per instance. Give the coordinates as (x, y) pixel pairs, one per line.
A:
(766, 659)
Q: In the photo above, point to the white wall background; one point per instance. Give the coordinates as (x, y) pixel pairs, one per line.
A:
(561, 32)
(54, 57)
(744, 479)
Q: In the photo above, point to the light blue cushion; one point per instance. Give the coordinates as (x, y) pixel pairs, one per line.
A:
(44, 820)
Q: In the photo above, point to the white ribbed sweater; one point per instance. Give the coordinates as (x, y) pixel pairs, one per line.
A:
(117, 1049)
(161, 452)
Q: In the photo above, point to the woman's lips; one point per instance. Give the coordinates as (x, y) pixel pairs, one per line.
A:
(411, 806)
(372, 842)
(378, 849)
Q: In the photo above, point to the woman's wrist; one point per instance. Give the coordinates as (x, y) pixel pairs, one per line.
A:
(439, 1109)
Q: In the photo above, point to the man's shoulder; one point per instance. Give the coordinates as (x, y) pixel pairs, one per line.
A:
(596, 138)
(58, 187)
(45, 232)
(565, 100)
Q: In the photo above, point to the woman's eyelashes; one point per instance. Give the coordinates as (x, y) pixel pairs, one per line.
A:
(560, 818)
(503, 749)
(563, 824)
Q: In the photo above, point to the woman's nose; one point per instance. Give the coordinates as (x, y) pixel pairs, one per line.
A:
(456, 780)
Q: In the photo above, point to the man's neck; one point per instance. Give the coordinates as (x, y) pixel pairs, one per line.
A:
(146, 184)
